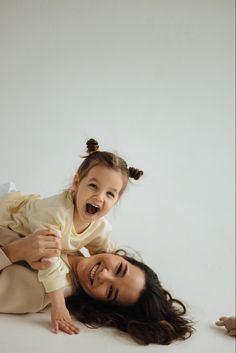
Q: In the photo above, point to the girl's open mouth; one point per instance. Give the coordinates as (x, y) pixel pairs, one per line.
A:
(91, 208)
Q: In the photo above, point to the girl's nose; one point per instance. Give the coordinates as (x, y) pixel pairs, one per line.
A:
(99, 196)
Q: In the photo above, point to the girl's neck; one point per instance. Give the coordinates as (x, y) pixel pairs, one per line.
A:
(79, 226)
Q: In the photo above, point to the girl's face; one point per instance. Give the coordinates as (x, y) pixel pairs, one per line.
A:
(111, 278)
(96, 194)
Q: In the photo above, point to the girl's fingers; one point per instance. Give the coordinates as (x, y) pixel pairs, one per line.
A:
(72, 327)
(55, 327)
(75, 329)
(66, 329)
(69, 328)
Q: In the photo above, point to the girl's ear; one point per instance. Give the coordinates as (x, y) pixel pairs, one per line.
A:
(76, 182)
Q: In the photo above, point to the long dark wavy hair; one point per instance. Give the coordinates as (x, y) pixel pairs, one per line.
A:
(156, 317)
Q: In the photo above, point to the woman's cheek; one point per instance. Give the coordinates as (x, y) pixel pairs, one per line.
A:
(98, 294)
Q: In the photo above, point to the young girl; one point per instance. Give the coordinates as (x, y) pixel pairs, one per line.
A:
(76, 215)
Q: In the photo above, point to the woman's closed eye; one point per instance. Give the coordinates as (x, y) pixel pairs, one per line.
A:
(122, 269)
(110, 291)
(119, 269)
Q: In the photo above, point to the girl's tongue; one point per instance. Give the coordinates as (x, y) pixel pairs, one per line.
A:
(91, 209)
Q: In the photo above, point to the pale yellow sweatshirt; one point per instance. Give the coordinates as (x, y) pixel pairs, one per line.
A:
(26, 214)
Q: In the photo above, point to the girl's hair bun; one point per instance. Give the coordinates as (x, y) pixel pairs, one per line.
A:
(92, 146)
(135, 173)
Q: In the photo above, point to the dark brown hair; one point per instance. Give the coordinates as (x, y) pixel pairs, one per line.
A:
(156, 317)
(109, 160)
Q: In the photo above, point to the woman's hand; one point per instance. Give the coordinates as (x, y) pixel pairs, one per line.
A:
(229, 323)
(41, 244)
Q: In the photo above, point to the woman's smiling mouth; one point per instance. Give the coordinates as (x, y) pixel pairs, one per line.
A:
(93, 272)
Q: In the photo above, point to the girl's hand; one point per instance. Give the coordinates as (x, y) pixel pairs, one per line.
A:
(60, 316)
(61, 320)
(229, 323)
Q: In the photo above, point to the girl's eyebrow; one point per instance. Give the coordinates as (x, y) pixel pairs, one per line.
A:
(97, 181)
(93, 179)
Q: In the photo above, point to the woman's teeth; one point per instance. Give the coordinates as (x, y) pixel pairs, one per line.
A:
(93, 271)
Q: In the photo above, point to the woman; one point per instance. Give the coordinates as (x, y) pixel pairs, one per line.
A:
(103, 290)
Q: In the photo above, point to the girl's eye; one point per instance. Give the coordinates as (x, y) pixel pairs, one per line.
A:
(119, 269)
(93, 186)
(110, 194)
(109, 294)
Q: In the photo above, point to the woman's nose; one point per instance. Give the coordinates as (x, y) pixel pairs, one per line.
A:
(104, 275)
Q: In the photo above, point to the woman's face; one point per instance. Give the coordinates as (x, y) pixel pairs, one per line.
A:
(111, 278)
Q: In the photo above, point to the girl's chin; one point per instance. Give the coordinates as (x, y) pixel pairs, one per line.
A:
(91, 215)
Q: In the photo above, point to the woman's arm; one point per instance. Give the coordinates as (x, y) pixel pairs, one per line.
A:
(20, 290)
(32, 248)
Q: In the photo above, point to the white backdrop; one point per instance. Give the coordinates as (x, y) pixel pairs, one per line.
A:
(153, 81)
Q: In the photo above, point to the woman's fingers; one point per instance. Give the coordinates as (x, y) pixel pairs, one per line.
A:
(51, 252)
(51, 241)
(40, 265)
(47, 232)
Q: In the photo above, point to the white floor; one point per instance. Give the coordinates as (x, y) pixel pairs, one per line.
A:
(29, 333)
(154, 81)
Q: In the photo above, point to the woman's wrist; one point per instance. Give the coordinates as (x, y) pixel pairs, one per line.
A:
(12, 251)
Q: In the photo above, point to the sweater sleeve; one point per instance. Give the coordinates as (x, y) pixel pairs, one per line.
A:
(54, 277)
(48, 214)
